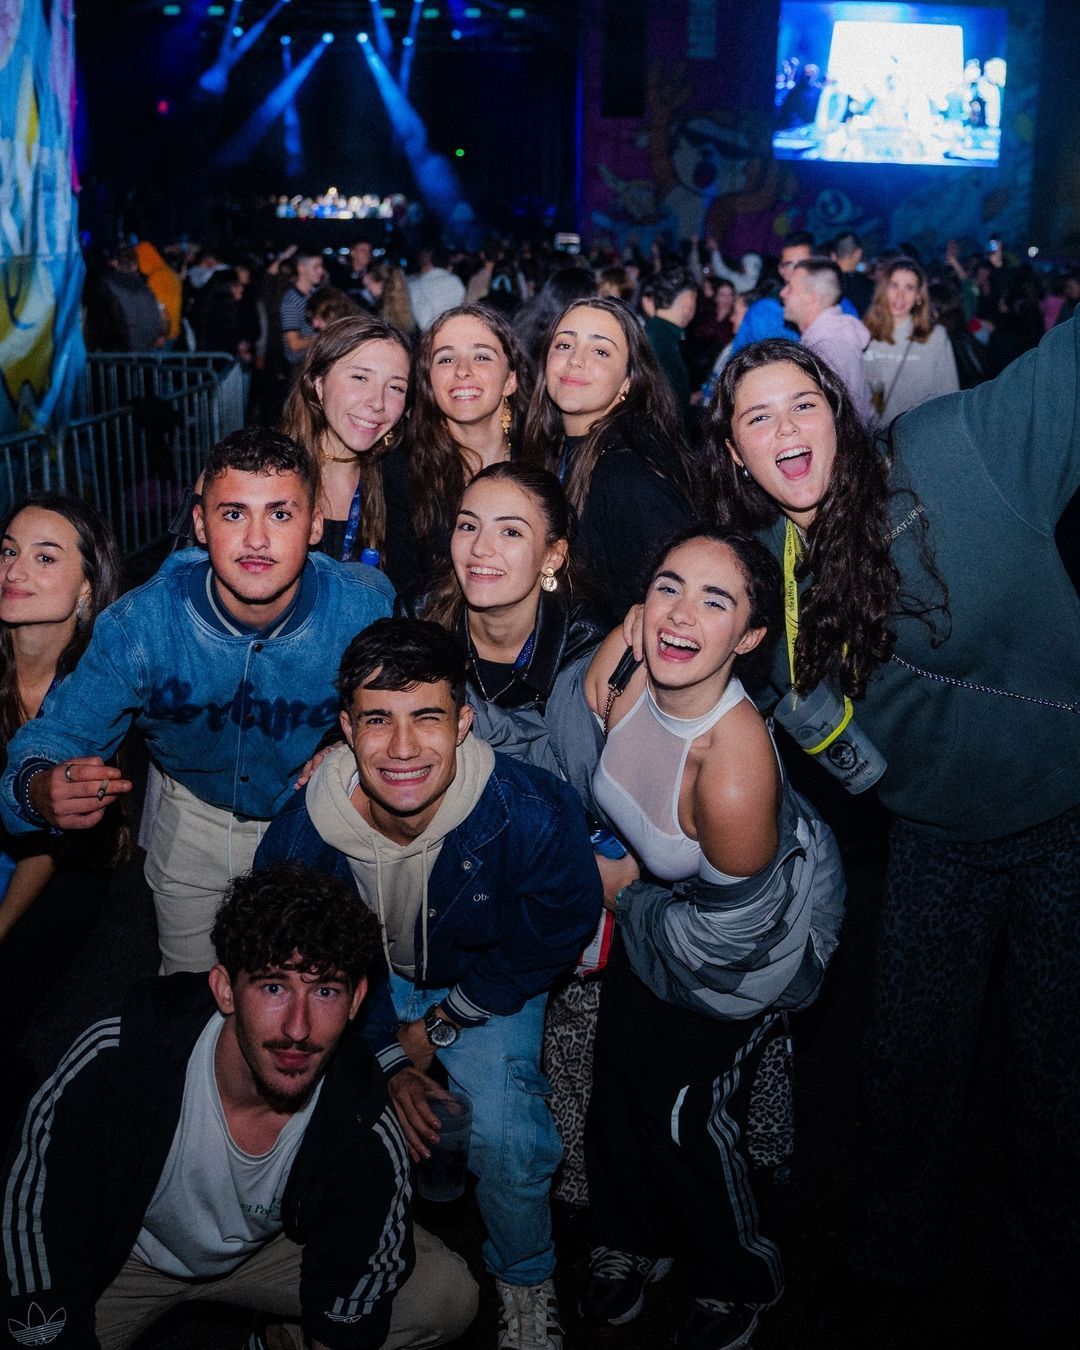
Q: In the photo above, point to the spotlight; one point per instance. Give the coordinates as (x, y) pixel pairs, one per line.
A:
(406, 41)
(361, 37)
(328, 37)
(455, 33)
(285, 39)
(237, 31)
(459, 153)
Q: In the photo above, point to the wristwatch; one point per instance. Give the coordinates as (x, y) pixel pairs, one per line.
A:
(440, 1033)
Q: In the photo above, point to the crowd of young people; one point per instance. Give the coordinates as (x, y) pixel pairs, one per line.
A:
(551, 780)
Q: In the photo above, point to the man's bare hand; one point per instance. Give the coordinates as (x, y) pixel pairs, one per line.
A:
(414, 1041)
(312, 764)
(410, 1091)
(76, 794)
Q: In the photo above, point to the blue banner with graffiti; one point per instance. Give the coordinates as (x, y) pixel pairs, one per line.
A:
(42, 355)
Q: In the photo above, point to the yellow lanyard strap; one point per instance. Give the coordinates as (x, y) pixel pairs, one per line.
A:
(792, 554)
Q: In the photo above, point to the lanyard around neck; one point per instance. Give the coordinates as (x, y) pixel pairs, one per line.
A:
(352, 525)
(793, 550)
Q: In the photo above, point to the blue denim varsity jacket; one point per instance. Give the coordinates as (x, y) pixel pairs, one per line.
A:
(231, 715)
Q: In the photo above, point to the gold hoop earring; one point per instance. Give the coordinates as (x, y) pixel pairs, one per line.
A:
(548, 580)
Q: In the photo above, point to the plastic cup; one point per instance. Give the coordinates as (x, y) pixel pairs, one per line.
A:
(442, 1176)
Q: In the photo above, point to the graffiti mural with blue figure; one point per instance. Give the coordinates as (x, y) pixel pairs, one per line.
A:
(42, 355)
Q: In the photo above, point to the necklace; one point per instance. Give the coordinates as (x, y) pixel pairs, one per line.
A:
(521, 661)
(336, 459)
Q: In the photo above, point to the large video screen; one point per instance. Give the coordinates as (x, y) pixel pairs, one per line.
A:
(866, 83)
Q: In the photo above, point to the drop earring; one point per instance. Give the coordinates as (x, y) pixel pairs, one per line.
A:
(548, 580)
(746, 473)
(507, 418)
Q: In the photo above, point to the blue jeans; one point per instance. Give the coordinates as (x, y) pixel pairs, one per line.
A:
(515, 1148)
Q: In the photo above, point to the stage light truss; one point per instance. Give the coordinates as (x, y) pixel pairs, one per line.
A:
(442, 24)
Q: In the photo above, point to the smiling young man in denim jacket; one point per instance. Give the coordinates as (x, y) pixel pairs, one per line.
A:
(483, 877)
(225, 662)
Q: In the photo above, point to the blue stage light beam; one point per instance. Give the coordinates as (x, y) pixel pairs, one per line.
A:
(436, 179)
(290, 117)
(239, 146)
(383, 41)
(408, 47)
(233, 49)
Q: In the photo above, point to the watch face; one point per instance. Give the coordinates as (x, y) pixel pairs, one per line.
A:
(439, 1033)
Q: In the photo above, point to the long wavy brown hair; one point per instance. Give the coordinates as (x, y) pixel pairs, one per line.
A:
(438, 471)
(880, 321)
(846, 613)
(305, 421)
(646, 420)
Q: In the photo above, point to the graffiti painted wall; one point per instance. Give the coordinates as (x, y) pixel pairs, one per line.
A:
(41, 269)
(699, 160)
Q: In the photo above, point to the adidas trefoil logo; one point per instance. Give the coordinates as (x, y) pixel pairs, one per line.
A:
(38, 1329)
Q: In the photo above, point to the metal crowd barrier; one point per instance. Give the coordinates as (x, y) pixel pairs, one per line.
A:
(149, 423)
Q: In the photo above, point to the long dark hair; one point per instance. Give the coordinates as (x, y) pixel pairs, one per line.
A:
(845, 614)
(645, 420)
(305, 421)
(101, 568)
(445, 603)
(437, 467)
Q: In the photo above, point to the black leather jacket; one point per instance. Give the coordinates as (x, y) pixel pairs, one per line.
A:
(565, 628)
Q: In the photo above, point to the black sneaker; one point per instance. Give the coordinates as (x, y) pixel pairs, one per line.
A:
(616, 1290)
(713, 1324)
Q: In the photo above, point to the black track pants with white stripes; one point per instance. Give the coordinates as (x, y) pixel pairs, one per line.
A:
(664, 1140)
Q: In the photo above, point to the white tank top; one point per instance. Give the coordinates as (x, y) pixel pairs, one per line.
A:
(637, 782)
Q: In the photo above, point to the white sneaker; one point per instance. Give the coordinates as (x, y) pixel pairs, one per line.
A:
(528, 1317)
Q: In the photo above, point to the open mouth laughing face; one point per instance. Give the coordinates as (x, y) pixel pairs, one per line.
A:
(784, 434)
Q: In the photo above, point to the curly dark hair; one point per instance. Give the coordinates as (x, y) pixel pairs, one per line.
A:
(845, 614)
(274, 914)
(263, 450)
(440, 468)
(405, 652)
